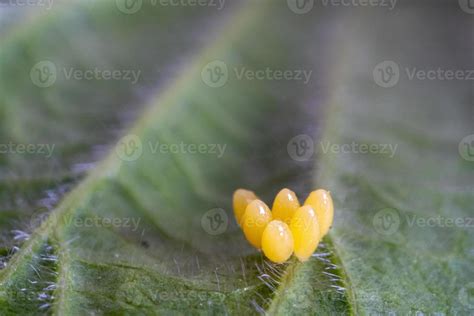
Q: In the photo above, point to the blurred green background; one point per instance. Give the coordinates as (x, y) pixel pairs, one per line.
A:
(125, 127)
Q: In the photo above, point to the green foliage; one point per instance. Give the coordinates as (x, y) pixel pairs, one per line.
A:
(159, 258)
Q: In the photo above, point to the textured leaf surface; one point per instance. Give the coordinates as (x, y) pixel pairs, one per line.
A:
(159, 258)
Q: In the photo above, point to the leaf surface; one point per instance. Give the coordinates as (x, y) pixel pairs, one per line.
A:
(131, 234)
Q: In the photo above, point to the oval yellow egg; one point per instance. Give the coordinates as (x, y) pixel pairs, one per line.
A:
(304, 227)
(277, 241)
(285, 205)
(321, 201)
(254, 221)
(241, 200)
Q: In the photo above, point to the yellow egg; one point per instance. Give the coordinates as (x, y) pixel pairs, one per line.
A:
(277, 241)
(304, 227)
(285, 205)
(254, 221)
(321, 202)
(241, 200)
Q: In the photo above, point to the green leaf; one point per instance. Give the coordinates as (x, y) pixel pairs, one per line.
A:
(133, 234)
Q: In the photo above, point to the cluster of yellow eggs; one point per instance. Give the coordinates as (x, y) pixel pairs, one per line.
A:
(288, 228)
